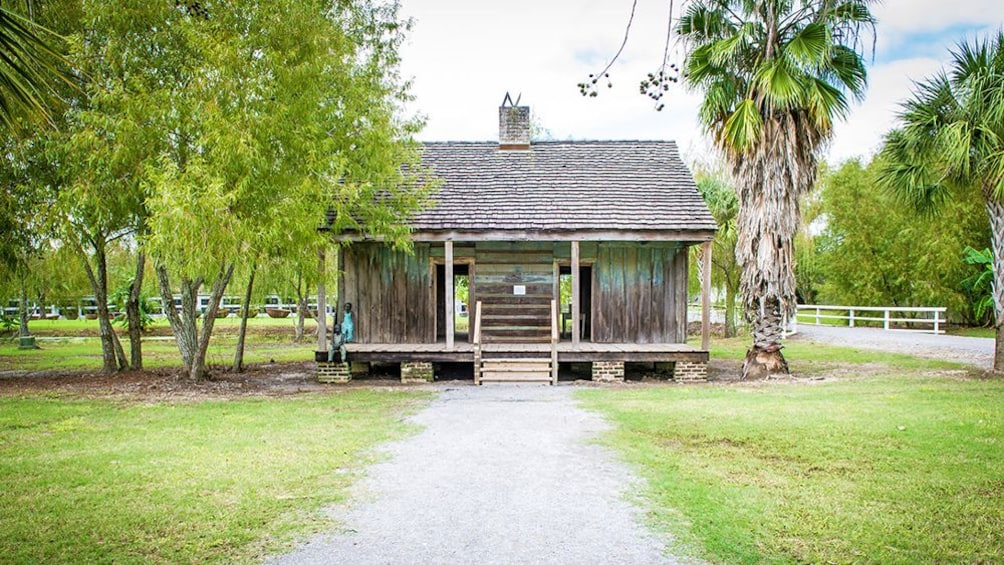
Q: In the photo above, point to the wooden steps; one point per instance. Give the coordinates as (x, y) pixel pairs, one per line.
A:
(516, 370)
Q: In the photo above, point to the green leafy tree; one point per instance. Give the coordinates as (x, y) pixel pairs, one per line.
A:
(951, 137)
(873, 251)
(774, 77)
(25, 238)
(247, 120)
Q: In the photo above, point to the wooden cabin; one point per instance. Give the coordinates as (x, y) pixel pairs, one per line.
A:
(515, 221)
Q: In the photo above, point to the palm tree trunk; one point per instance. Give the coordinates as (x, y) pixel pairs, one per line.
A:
(771, 179)
(995, 210)
(764, 358)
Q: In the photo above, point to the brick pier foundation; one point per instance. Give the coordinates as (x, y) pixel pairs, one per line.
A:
(608, 371)
(333, 372)
(416, 372)
(690, 372)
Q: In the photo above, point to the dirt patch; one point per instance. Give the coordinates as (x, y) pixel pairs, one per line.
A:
(286, 379)
(267, 380)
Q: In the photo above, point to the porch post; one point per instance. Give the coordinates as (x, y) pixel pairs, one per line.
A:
(706, 295)
(322, 305)
(449, 294)
(576, 321)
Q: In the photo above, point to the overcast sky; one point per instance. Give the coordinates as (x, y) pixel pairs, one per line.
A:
(464, 55)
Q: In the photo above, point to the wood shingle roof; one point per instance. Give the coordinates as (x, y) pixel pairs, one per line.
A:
(642, 187)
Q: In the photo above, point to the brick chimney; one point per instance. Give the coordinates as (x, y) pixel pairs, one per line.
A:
(514, 127)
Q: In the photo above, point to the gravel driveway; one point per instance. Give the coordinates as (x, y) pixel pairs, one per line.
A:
(977, 351)
(500, 474)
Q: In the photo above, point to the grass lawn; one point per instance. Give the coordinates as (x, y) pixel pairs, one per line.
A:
(895, 468)
(974, 332)
(84, 353)
(74, 345)
(85, 480)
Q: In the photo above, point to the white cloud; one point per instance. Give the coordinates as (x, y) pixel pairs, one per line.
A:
(918, 16)
(889, 85)
(465, 55)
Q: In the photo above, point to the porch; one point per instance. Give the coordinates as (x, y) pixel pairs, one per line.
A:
(527, 362)
(568, 352)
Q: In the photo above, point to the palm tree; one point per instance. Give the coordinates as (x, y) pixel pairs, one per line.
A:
(724, 206)
(774, 75)
(29, 69)
(951, 137)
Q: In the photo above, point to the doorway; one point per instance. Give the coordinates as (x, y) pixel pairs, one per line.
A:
(461, 304)
(585, 301)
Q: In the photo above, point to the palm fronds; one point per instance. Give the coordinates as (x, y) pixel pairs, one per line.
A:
(30, 69)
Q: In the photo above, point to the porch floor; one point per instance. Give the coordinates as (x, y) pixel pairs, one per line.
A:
(463, 352)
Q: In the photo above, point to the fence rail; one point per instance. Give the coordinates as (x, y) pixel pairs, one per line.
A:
(891, 317)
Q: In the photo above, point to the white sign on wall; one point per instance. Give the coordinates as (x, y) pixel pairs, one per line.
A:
(519, 290)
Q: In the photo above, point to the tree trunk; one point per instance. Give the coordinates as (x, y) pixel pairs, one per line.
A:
(133, 315)
(192, 344)
(182, 323)
(198, 369)
(995, 210)
(98, 278)
(242, 332)
(301, 308)
(22, 330)
(120, 357)
(301, 315)
(771, 178)
(765, 358)
(730, 311)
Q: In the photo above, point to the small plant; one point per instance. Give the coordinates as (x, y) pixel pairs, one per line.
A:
(9, 323)
(979, 286)
(120, 297)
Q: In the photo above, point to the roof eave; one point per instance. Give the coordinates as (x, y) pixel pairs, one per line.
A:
(686, 236)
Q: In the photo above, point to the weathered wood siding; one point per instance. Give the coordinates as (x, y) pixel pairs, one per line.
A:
(639, 293)
(391, 293)
(499, 268)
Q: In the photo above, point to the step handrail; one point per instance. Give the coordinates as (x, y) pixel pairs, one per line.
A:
(477, 323)
(477, 342)
(554, 342)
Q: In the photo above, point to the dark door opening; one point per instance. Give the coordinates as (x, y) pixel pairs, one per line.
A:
(461, 310)
(585, 301)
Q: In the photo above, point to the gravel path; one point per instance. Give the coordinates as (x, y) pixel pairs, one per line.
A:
(977, 351)
(500, 474)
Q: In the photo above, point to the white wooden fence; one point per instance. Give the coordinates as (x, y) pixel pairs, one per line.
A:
(930, 319)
